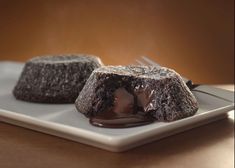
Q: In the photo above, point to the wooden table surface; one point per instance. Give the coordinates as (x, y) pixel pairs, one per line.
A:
(211, 145)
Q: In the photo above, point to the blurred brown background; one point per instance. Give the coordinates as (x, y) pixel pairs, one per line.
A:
(194, 37)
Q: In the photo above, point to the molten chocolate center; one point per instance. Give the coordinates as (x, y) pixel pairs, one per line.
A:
(124, 112)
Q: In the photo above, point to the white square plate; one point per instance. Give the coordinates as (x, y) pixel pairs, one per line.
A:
(64, 121)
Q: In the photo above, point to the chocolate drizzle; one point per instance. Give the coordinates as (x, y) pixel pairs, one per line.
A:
(127, 111)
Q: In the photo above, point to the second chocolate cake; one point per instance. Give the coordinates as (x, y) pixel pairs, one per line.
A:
(55, 79)
(125, 96)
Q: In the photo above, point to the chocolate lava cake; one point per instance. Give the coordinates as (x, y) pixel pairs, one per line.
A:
(142, 91)
(55, 79)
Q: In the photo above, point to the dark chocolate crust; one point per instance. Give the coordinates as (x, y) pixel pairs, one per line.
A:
(55, 79)
(169, 98)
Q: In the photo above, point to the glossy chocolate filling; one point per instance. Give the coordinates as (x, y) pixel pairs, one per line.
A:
(128, 110)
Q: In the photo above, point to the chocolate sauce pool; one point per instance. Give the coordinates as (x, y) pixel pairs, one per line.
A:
(127, 111)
